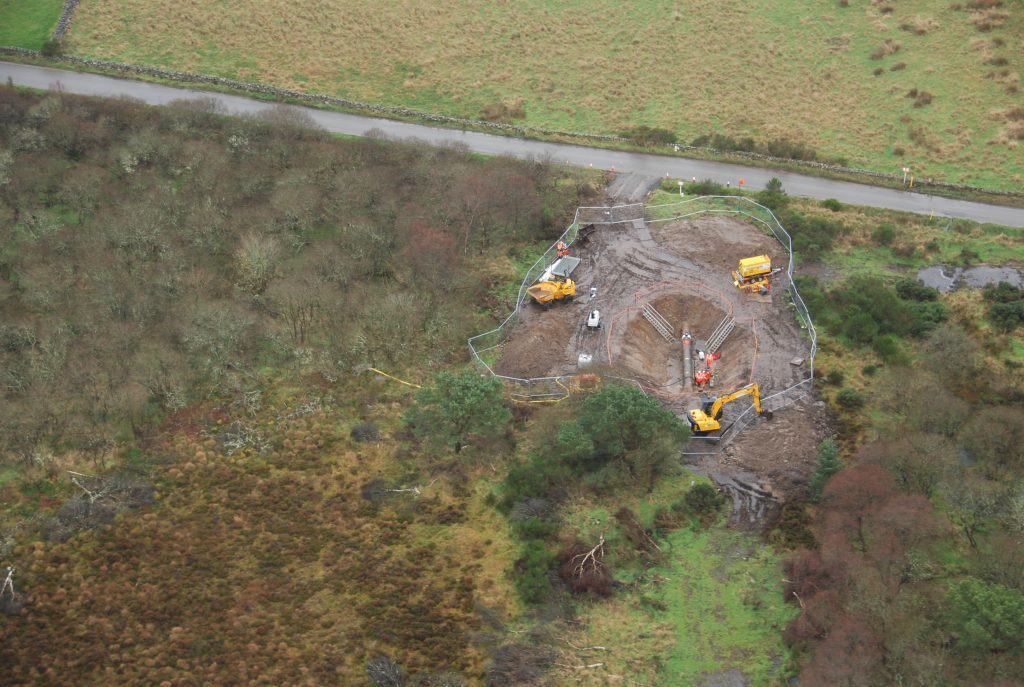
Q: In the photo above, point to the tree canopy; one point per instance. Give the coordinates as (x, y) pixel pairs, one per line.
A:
(621, 424)
(457, 408)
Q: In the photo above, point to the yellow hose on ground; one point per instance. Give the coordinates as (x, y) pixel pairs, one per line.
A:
(400, 381)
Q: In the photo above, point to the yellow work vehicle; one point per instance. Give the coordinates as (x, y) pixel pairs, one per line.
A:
(754, 274)
(705, 419)
(547, 292)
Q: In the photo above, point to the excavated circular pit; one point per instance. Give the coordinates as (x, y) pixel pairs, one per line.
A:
(645, 354)
(682, 268)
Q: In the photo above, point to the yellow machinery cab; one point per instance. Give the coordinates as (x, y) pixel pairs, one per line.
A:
(754, 274)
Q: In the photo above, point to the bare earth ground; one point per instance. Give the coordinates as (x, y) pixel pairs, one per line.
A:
(682, 269)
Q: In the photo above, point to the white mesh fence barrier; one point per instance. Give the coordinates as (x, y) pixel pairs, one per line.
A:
(557, 388)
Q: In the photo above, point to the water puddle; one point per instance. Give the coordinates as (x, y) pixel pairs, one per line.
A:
(946, 279)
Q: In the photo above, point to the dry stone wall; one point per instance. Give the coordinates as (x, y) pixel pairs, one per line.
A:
(65, 19)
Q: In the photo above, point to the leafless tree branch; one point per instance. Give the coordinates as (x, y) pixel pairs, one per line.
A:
(590, 560)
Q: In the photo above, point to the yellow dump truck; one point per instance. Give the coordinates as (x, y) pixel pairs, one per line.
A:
(754, 274)
(547, 292)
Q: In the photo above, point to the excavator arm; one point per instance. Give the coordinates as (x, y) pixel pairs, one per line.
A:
(703, 420)
(751, 390)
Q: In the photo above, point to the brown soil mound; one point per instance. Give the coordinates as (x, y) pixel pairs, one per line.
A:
(783, 450)
(536, 342)
(718, 241)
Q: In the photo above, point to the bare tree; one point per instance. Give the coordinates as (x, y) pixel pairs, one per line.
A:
(299, 303)
(383, 672)
(256, 262)
(10, 600)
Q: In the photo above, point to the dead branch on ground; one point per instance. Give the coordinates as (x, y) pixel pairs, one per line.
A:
(590, 561)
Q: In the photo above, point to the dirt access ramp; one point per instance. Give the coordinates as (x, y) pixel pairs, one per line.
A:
(631, 188)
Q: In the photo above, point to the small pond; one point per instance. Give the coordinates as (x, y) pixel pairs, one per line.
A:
(945, 278)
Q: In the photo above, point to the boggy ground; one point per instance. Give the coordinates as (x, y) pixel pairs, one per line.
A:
(682, 269)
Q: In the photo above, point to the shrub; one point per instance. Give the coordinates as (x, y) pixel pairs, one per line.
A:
(926, 316)
(828, 465)
(885, 346)
(531, 572)
(988, 617)
(1003, 292)
(535, 528)
(701, 503)
(887, 48)
(812, 236)
(1006, 306)
(861, 328)
(968, 256)
(504, 112)
(818, 303)
(703, 499)
(52, 48)
(365, 431)
(869, 370)
(538, 479)
(851, 399)
(835, 377)
(1006, 317)
(792, 527)
(516, 664)
(779, 147)
(705, 187)
(773, 196)
(793, 150)
(726, 143)
(256, 262)
(649, 136)
(884, 234)
(914, 290)
(923, 98)
(832, 204)
(863, 298)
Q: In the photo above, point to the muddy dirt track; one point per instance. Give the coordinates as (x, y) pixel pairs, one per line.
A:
(682, 268)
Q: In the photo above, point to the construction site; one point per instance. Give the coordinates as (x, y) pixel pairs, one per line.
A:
(695, 305)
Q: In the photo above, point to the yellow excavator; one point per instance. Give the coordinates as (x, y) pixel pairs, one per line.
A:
(547, 292)
(705, 419)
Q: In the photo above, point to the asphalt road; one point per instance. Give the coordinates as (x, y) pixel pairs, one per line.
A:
(490, 144)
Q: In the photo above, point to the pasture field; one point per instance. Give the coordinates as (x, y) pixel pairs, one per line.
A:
(836, 79)
(28, 24)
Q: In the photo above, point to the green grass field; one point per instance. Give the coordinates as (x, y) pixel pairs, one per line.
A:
(28, 24)
(712, 604)
(800, 70)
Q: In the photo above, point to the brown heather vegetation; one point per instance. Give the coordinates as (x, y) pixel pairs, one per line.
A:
(187, 305)
(257, 568)
(149, 259)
